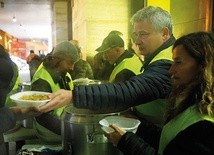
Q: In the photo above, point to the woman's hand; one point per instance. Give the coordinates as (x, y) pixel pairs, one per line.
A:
(59, 99)
(115, 136)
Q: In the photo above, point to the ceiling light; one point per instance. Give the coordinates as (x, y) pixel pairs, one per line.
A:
(14, 19)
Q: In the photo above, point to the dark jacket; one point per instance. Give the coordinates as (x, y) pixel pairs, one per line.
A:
(101, 68)
(6, 74)
(6, 116)
(197, 139)
(126, 73)
(82, 69)
(153, 83)
(47, 119)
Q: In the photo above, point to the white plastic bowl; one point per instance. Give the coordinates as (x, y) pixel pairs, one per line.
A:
(128, 124)
(28, 103)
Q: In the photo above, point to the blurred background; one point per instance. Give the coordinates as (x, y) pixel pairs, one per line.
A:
(40, 24)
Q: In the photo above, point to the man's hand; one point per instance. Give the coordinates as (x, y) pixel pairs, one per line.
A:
(58, 99)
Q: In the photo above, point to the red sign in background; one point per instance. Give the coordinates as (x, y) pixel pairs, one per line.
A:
(18, 48)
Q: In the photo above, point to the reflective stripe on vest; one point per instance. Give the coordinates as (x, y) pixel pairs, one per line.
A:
(190, 116)
(133, 64)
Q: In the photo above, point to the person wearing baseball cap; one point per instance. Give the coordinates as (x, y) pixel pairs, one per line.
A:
(52, 75)
(126, 64)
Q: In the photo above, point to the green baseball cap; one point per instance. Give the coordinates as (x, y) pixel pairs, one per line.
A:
(111, 41)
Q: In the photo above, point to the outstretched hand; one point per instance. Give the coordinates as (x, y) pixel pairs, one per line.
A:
(114, 137)
(59, 99)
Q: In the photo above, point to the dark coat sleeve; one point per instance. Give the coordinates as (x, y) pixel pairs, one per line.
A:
(149, 132)
(8, 120)
(6, 75)
(131, 144)
(197, 139)
(144, 142)
(152, 84)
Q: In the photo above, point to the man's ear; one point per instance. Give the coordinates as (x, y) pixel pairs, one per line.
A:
(119, 49)
(165, 33)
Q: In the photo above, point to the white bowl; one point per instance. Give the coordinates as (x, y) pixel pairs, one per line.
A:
(29, 103)
(128, 124)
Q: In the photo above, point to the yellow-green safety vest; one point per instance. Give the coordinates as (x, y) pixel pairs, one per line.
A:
(153, 111)
(43, 133)
(133, 64)
(187, 118)
(42, 73)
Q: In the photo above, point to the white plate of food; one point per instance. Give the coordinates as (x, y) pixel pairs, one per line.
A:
(30, 98)
(128, 124)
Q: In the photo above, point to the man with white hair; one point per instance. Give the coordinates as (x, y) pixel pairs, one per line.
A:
(154, 38)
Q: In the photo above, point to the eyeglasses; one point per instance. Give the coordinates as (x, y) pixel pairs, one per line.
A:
(141, 35)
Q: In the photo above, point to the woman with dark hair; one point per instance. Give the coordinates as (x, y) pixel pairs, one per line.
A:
(189, 125)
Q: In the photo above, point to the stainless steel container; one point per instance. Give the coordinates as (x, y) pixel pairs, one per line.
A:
(85, 81)
(27, 123)
(26, 86)
(82, 133)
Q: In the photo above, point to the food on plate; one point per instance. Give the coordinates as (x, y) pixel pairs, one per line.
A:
(30, 98)
(34, 97)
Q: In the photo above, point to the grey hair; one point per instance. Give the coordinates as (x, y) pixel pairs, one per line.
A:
(158, 17)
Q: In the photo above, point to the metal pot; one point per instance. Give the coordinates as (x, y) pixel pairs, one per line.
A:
(26, 86)
(85, 81)
(82, 133)
(27, 123)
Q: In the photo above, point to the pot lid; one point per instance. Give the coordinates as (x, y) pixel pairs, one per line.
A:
(73, 110)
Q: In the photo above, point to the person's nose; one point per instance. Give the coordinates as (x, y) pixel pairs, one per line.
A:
(172, 70)
(137, 40)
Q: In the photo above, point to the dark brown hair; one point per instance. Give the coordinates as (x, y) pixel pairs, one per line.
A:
(199, 46)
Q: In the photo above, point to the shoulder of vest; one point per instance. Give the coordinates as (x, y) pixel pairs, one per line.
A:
(166, 54)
